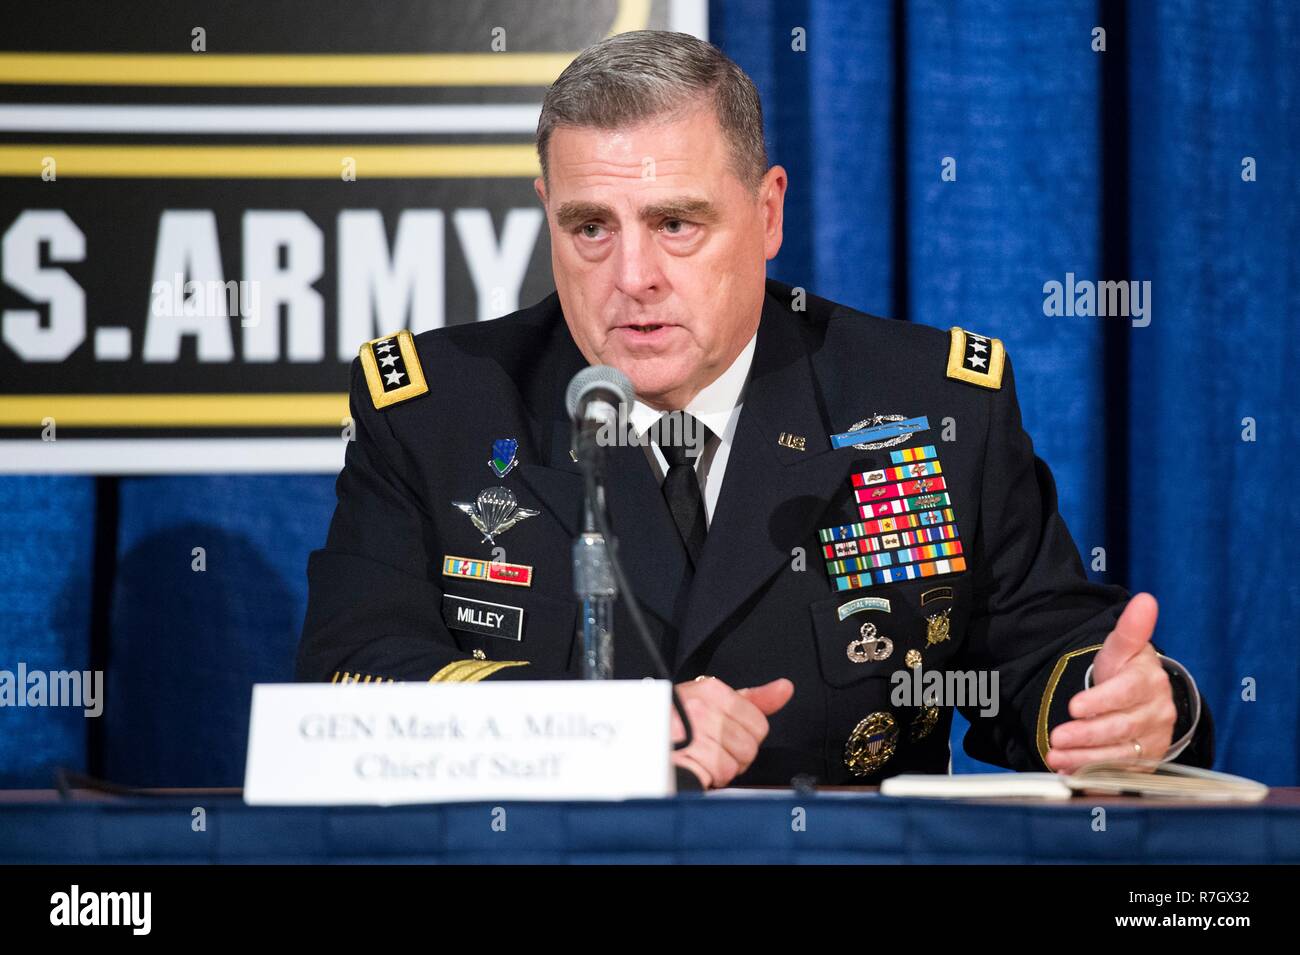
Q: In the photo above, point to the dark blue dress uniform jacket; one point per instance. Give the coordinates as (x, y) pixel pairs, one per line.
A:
(761, 604)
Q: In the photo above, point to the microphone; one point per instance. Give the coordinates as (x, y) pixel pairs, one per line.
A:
(597, 398)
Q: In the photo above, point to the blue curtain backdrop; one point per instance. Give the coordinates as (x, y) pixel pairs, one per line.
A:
(1118, 165)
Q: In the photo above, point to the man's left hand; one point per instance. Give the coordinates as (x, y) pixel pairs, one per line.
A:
(1130, 701)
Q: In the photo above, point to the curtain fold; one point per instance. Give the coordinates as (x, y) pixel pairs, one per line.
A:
(47, 555)
(1212, 521)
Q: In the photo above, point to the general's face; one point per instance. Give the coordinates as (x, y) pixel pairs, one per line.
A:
(659, 250)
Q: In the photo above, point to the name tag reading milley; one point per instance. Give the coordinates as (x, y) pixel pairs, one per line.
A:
(483, 616)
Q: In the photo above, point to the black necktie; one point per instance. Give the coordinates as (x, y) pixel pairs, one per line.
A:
(681, 487)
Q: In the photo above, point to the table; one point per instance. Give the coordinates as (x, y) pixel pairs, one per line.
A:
(757, 827)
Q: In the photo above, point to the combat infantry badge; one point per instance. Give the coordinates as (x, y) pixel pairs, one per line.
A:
(890, 429)
(495, 511)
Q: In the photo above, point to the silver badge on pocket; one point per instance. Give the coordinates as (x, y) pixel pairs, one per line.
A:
(871, 647)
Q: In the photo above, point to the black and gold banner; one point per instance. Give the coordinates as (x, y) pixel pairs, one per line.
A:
(206, 208)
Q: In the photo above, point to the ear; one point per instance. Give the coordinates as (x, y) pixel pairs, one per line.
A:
(772, 197)
(539, 187)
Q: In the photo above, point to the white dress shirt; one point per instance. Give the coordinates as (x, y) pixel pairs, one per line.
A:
(717, 407)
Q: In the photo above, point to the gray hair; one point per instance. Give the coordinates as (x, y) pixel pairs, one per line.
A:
(636, 76)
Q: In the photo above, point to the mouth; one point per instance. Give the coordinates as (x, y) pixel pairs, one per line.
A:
(643, 328)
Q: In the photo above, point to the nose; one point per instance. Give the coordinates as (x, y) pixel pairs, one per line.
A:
(639, 276)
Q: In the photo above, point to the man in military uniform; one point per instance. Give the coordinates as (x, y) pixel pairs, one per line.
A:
(864, 505)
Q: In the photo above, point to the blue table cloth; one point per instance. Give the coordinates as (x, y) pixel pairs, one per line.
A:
(785, 828)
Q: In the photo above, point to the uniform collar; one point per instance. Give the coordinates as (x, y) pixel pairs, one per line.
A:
(717, 406)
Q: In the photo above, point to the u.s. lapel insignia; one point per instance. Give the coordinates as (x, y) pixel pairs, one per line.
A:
(871, 647)
(880, 431)
(494, 512)
(936, 627)
(392, 368)
(796, 442)
(871, 744)
(975, 358)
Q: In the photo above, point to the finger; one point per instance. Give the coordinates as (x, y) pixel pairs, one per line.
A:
(687, 761)
(769, 697)
(728, 718)
(706, 719)
(1112, 729)
(1130, 635)
(740, 743)
(732, 705)
(1072, 760)
(719, 764)
(705, 701)
(1137, 682)
(676, 732)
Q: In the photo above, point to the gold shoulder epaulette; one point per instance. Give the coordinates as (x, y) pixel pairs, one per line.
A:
(975, 358)
(392, 369)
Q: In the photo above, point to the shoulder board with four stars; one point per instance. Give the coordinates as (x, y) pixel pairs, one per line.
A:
(975, 358)
(392, 369)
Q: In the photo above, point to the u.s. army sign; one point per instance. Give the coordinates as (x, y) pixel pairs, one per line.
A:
(197, 236)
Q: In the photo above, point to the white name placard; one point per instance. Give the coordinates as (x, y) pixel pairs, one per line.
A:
(391, 743)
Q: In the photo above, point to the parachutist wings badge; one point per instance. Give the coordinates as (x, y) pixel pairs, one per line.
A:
(495, 511)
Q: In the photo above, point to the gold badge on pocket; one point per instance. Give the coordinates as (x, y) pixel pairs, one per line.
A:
(871, 744)
(937, 627)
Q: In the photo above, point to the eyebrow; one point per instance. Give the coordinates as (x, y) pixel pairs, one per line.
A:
(685, 207)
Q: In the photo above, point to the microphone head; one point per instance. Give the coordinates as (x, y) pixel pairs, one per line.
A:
(598, 378)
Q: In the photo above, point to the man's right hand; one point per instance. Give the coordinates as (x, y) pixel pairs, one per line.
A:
(728, 726)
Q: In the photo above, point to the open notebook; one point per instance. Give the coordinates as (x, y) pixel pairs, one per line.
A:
(1167, 781)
